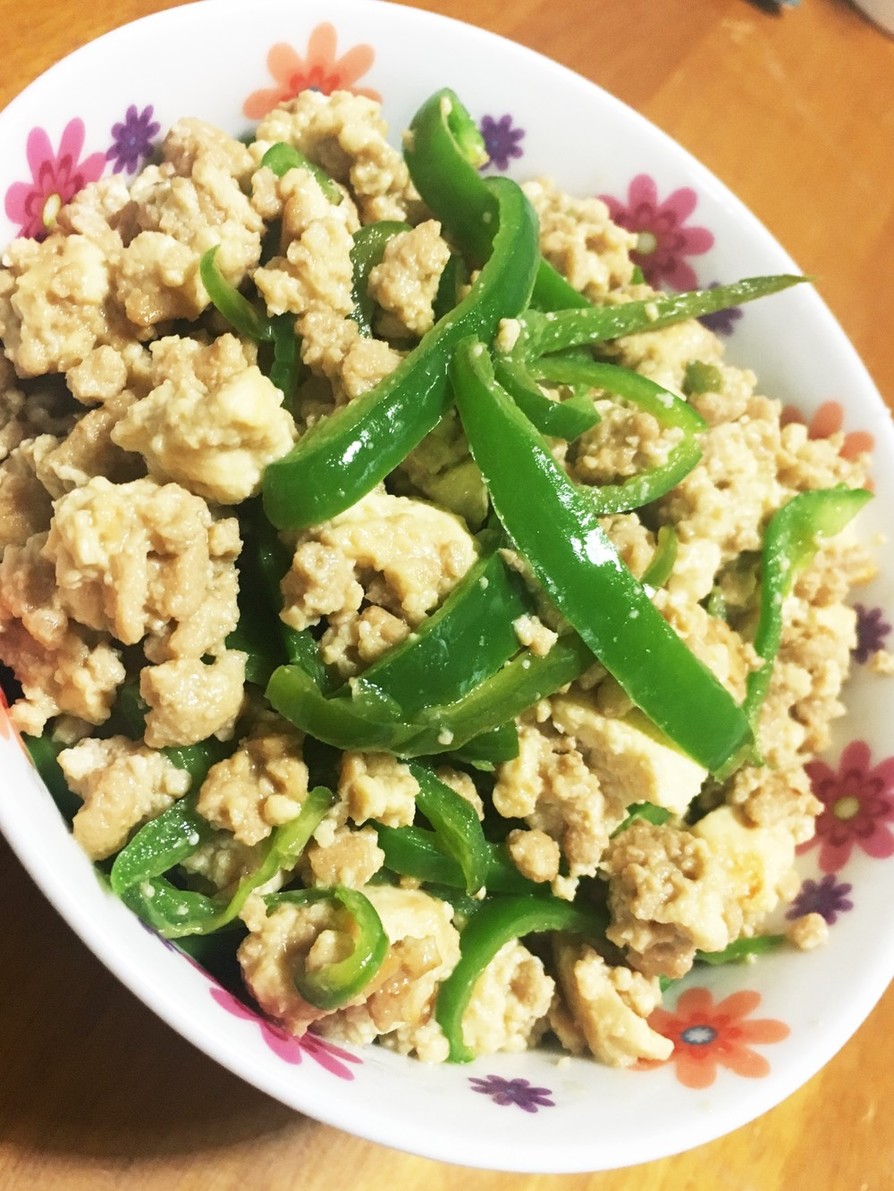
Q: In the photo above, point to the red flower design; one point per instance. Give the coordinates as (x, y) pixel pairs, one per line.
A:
(829, 420)
(286, 1046)
(56, 177)
(706, 1036)
(320, 70)
(858, 807)
(665, 240)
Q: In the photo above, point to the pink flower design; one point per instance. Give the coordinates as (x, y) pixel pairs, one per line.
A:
(319, 70)
(56, 177)
(286, 1046)
(858, 807)
(665, 240)
(706, 1036)
(828, 420)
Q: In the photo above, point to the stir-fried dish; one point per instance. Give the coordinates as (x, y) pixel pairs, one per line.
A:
(411, 609)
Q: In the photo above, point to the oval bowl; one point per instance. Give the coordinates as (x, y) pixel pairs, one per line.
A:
(510, 1112)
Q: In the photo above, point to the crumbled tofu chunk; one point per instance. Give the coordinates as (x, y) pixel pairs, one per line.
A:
(377, 786)
(138, 558)
(190, 700)
(214, 441)
(509, 1004)
(122, 784)
(261, 785)
(632, 764)
(610, 1006)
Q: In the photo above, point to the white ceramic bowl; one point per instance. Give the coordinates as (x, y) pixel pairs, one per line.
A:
(782, 1018)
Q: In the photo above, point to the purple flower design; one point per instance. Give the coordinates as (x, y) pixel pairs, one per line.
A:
(721, 322)
(513, 1091)
(56, 177)
(858, 807)
(665, 237)
(825, 897)
(132, 139)
(286, 1046)
(872, 632)
(501, 140)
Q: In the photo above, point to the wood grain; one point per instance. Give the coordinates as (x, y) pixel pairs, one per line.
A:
(795, 112)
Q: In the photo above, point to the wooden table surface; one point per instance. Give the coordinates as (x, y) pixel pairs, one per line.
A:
(794, 110)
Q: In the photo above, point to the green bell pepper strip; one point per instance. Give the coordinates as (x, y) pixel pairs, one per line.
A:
(271, 562)
(666, 407)
(346, 724)
(498, 922)
(741, 951)
(344, 456)
(661, 566)
(556, 529)
(793, 536)
(555, 331)
(160, 844)
(456, 825)
(276, 332)
(467, 639)
(44, 753)
(367, 251)
(336, 984)
(282, 157)
(444, 151)
(415, 852)
(454, 278)
(558, 419)
(490, 748)
(177, 913)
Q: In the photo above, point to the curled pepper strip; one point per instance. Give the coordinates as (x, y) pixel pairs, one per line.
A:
(414, 852)
(348, 724)
(367, 251)
(666, 407)
(344, 456)
(176, 913)
(466, 640)
(558, 419)
(444, 151)
(457, 827)
(793, 536)
(498, 922)
(282, 157)
(556, 529)
(278, 332)
(336, 984)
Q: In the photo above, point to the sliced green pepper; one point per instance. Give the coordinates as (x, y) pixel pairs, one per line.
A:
(666, 407)
(661, 567)
(793, 536)
(557, 530)
(176, 913)
(336, 984)
(415, 852)
(490, 928)
(348, 724)
(555, 331)
(557, 419)
(345, 455)
(741, 951)
(368, 249)
(467, 639)
(444, 152)
(276, 332)
(457, 827)
(282, 157)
